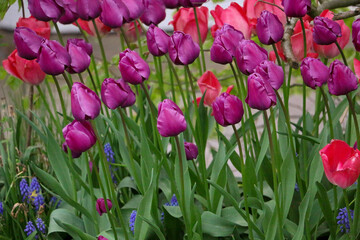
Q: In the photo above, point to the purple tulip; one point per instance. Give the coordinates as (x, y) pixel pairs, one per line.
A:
(342, 80)
(133, 68)
(271, 72)
(314, 72)
(136, 8)
(248, 55)
(45, 10)
(171, 3)
(101, 207)
(85, 104)
(27, 42)
(157, 41)
(269, 28)
(171, 121)
(73, 154)
(260, 95)
(296, 8)
(116, 94)
(227, 109)
(80, 52)
(182, 49)
(326, 31)
(88, 9)
(191, 151)
(154, 12)
(226, 40)
(114, 13)
(102, 238)
(356, 34)
(79, 136)
(70, 14)
(191, 3)
(53, 57)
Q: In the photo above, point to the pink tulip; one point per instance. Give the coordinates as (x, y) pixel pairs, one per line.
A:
(209, 83)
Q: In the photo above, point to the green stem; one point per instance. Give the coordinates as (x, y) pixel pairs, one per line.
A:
(61, 99)
(28, 140)
(304, 36)
(45, 101)
(278, 58)
(158, 66)
(92, 81)
(92, 193)
(328, 112)
(346, 199)
(341, 52)
(200, 42)
(177, 80)
(125, 37)
(68, 83)
(58, 33)
(102, 50)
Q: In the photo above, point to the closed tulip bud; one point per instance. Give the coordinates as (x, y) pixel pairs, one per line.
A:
(182, 49)
(271, 72)
(85, 104)
(41, 28)
(269, 28)
(226, 40)
(191, 151)
(171, 121)
(191, 3)
(28, 71)
(80, 52)
(227, 109)
(356, 34)
(79, 136)
(27, 42)
(296, 8)
(341, 163)
(210, 86)
(157, 41)
(114, 13)
(133, 68)
(116, 94)
(70, 14)
(45, 10)
(53, 57)
(314, 72)
(326, 31)
(342, 80)
(260, 95)
(171, 3)
(88, 9)
(248, 55)
(154, 12)
(101, 207)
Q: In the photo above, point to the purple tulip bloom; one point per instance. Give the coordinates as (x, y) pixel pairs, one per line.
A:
(191, 150)
(85, 104)
(271, 72)
(88, 9)
(314, 72)
(226, 40)
(114, 13)
(133, 68)
(102, 238)
(248, 55)
(27, 42)
(45, 10)
(171, 3)
(296, 8)
(53, 57)
(182, 49)
(191, 3)
(326, 31)
(171, 121)
(269, 28)
(157, 41)
(260, 95)
(227, 109)
(101, 207)
(356, 34)
(116, 94)
(80, 52)
(154, 12)
(70, 14)
(342, 80)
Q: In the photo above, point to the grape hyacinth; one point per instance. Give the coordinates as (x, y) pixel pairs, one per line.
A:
(29, 228)
(40, 225)
(38, 201)
(344, 219)
(173, 202)
(297, 187)
(35, 186)
(110, 158)
(132, 220)
(24, 189)
(1, 208)
(55, 202)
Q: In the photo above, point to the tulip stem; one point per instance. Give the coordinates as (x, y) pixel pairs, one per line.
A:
(281, 63)
(328, 111)
(61, 99)
(31, 97)
(304, 36)
(125, 37)
(101, 49)
(152, 107)
(346, 199)
(92, 81)
(22, 8)
(67, 81)
(200, 42)
(177, 80)
(58, 33)
(92, 192)
(45, 101)
(158, 67)
(341, 52)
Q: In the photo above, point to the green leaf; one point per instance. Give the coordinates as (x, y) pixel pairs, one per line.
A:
(216, 226)
(154, 227)
(64, 216)
(325, 206)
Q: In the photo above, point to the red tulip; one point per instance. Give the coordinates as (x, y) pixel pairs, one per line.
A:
(27, 70)
(184, 20)
(39, 27)
(341, 163)
(235, 16)
(209, 83)
(88, 27)
(357, 67)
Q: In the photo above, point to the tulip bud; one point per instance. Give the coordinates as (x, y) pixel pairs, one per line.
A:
(341, 163)
(191, 3)
(260, 95)
(226, 40)
(41, 28)
(70, 14)
(227, 109)
(157, 41)
(326, 31)
(210, 86)
(271, 72)
(45, 10)
(171, 121)
(79, 136)
(182, 49)
(88, 9)
(356, 34)
(85, 104)
(191, 151)
(53, 57)
(269, 28)
(133, 68)
(248, 55)
(101, 207)
(73, 154)
(27, 42)
(154, 12)
(116, 94)
(296, 8)
(314, 72)
(171, 3)
(102, 238)
(342, 80)
(80, 52)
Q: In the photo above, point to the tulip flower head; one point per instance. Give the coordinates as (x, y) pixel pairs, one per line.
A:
(269, 28)
(101, 207)
(356, 34)
(260, 95)
(102, 238)
(88, 9)
(227, 109)
(117, 93)
(191, 3)
(326, 31)
(154, 12)
(45, 10)
(296, 8)
(27, 43)
(133, 68)
(171, 121)
(182, 49)
(314, 72)
(271, 72)
(191, 150)
(157, 41)
(171, 3)
(342, 80)
(210, 86)
(41, 28)
(85, 104)
(69, 15)
(341, 163)
(248, 55)
(80, 52)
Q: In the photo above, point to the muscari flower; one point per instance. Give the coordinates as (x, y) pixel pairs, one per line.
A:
(132, 220)
(40, 225)
(110, 158)
(344, 219)
(173, 202)
(29, 228)
(54, 201)
(24, 189)
(1, 208)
